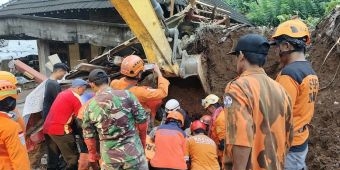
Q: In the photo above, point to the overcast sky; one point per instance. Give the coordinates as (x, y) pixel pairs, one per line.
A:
(3, 1)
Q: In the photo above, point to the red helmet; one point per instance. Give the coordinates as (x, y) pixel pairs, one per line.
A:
(197, 124)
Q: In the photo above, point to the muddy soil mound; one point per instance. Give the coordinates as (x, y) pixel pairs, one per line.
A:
(324, 151)
(214, 43)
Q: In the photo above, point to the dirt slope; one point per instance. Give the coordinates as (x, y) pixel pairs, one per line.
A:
(324, 146)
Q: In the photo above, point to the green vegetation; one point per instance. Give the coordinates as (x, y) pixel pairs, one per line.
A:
(273, 12)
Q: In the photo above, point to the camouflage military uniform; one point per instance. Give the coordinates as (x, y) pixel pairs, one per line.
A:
(112, 115)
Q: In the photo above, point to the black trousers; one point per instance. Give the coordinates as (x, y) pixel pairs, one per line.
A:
(66, 145)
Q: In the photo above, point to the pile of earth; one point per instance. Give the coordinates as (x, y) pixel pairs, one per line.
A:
(215, 42)
(324, 144)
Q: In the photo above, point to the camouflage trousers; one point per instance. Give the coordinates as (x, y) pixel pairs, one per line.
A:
(140, 164)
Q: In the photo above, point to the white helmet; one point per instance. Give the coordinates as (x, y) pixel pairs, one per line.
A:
(209, 100)
(172, 105)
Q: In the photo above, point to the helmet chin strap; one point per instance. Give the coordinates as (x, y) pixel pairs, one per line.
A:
(285, 53)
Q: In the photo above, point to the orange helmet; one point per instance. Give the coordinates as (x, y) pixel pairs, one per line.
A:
(294, 28)
(197, 124)
(131, 66)
(206, 119)
(176, 115)
(5, 75)
(7, 89)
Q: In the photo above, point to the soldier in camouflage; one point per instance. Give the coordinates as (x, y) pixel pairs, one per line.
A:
(112, 114)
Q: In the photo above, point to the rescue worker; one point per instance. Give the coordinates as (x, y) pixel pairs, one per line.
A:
(13, 153)
(173, 105)
(300, 81)
(201, 149)
(112, 114)
(206, 119)
(132, 68)
(258, 111)
(15, 114)
(170, 144)
(59, 122)
(217, 125)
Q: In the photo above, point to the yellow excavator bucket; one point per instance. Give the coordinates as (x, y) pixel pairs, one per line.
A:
(146, 26)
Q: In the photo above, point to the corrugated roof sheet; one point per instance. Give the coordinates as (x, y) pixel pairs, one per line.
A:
(233, 13)
(38, 6)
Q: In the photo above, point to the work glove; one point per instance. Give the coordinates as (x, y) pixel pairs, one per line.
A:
(221, 145)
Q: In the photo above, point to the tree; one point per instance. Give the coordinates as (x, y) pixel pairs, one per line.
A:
(273, 12)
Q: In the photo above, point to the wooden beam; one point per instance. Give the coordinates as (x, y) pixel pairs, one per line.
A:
(172, 7)
(43, 53)
(74, 55)
(95, 51)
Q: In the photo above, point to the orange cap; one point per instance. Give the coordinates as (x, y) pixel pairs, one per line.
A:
(176, 115)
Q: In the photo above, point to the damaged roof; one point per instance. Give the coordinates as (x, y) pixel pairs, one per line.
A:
(38, 6)
(233, 13)
(22, 7)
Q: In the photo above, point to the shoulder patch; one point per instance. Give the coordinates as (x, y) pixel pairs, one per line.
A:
(227, 100)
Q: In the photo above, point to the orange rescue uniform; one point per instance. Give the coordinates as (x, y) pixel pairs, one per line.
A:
(217, 129)
(144, 94)
(170, 142)
(13, 153)
(258, 116)
(302, 85)
(202, 153)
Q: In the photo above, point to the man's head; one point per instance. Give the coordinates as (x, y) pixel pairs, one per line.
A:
(98, 78)
(291, 36)
(175, 116)
(198, 127)
(210, 103)
(79, 86)
(172, 105)
(206, 119)
(251, 51)
(59, 70)
(132, 67)
(8, 96)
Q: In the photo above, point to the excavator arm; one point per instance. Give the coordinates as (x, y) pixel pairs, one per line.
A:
(144, 22)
